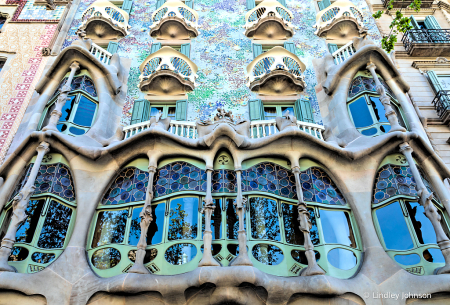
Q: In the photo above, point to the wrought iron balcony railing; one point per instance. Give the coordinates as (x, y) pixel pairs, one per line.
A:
(269, 20)
(177, 72)
(423, 42)
(101, 13)
(406, 3)
(174, 20)
(276, 63)
(344, 13)
(343, 53)
(441, 103)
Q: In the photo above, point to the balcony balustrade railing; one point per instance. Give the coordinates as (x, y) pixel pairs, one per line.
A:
(265, 9)
(175, 9)
(404, 4)
(425, 36)
(100, 53)
(108, 11)
(343, 53)
(441, 103)
(258, 129)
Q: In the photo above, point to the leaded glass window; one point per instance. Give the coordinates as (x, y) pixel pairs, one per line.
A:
(179, 176)
(129, 186)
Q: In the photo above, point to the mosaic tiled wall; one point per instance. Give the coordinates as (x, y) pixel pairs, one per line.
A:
(25, 69)
(221, 52)
(27, 11)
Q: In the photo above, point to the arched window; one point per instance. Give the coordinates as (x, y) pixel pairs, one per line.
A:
(404, 230)
(366, 110)
(50, 216)
(78, 113)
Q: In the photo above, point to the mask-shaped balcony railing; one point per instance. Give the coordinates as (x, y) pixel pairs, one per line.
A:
(276, 72)
(100, 53)
(167, 72)
(174, 20)
(339, 21)
(104, 20)
(427, 42)
(343, 53)
(269, 20)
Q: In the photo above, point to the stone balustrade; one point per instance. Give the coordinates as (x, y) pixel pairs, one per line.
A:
(100, 53)
(343, 53)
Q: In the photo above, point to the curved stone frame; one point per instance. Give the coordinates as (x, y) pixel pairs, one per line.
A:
(375, 94)
(27, 265)
(424, 267)
(354, 167)
(121, 32)
(77, 92)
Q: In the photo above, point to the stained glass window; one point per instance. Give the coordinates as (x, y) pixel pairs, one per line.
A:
(53, 178)
(224, 181)
(82, 82)
(177, 177)
(361, 84)
(396, 180)
(129, 186)
(318, 187)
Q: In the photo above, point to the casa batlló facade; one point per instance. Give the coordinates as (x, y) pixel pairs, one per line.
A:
(223, 152)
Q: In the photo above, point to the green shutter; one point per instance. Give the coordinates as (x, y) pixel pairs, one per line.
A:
(256, 110)
(189, 3)
(251, 4)
(159, 3)
(414, 22)
(257, 49)
(431, 23)
(304, 111)
(141, 111)
(186, 49)
(126, 6)
(332, 47)
(290, 47)
(283, 2)
(112, 47)
(434, 80)
(321, 6)
(155, 47)
(325, 4)
(181, 111)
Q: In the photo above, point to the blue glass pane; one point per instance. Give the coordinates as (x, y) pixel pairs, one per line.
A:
(264, 218)
(378, 108)
(342, 258)
(85, 112)
(268, 254)
(216, 220)
(369, 132)
(410, 259)
(393, 227)
(422, 225)
(180, 254)
(67, 109)
(360, 113)
(433, 256)
(77, 131)
(56, 225)
(232, 219)
(25, 232)
(155, 230)
(183, 218)
(110, 228)
(105, 258)
(336, 228)
(154, 111)
(385, 128)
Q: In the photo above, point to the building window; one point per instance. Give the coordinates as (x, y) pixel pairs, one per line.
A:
(42, 237)
(143, 111)
(79, 111)
(365, 108)
(167, 111)
(2, 64)
(3, 20)
(406, 233)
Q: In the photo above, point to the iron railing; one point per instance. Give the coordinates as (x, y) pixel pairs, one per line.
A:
(425, 36)
(441, 103)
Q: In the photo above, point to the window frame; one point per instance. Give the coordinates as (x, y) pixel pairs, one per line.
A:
(165, 111)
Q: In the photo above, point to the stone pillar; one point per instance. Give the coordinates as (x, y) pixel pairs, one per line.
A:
(56, 113)
(385, 100)
(208, 208)
(20, 204)
(305, 226)
(242, 259)
(430, 210)
(146, 216)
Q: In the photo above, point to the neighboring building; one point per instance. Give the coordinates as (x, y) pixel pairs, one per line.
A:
(229, 152)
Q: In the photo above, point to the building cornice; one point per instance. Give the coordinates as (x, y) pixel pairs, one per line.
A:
(440, 62)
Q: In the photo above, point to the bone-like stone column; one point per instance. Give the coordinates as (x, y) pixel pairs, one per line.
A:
(146, 219)
(208, 208)
(305, 227)
(20, 204)
(242, 259)
(56, 113)
(430, 210)
(385, 100)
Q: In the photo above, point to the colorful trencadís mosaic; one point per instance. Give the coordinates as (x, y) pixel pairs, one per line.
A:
(318, 187)
(361, 84)
(224, 181)
(39, 12)
(395, 180)
(177, 177)
(271, 178)
(129, 186)
(82, 82)
(54, 178)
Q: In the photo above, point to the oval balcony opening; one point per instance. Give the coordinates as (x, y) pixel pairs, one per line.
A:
(174, 20)
(269, 20)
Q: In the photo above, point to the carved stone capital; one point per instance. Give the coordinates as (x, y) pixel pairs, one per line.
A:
(405, 148)
(43, 147)
(152, 169)
(75, 66)
(371, 66)
(295, 169)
